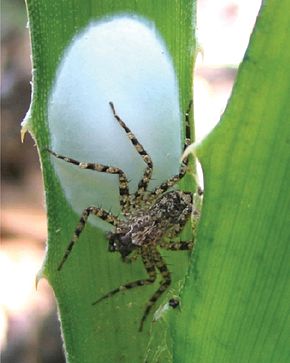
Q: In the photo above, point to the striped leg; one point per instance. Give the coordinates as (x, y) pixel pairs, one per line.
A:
(123, 181)
(101, 213)
(182, 171)
(143, 184)
(164, 284)
(150, 268)
(178, 246)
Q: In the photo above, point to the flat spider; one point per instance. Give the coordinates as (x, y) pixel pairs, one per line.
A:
(151, 219)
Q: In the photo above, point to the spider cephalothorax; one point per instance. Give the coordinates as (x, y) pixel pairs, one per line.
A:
(151, 219)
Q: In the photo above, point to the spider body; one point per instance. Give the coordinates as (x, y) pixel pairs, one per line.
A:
(151, 224)
(151, 219)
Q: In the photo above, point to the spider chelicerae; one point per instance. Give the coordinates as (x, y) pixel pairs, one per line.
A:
(150, 219)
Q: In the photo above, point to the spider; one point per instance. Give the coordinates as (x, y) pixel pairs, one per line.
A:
(151, 219)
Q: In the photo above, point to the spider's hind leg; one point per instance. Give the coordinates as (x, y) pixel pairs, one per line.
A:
(143, 183)
(164, 284)
(150, 269)
(178, 246)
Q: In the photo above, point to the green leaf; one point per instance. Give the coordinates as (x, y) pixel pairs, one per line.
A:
(107, 332)
(235, 305)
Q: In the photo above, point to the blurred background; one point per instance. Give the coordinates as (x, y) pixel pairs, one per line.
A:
(29, 328)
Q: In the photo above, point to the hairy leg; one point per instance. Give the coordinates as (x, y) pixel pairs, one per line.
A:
(177, 246)
(99, 212)
(143, 184)
(150, 269)
(183, 169)
(123, 181)
(164, 284)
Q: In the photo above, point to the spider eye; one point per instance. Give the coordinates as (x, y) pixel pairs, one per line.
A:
(113, 242)
(113, 246)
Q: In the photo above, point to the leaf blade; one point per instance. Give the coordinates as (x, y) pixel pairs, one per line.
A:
(235, 298)
(107, 332)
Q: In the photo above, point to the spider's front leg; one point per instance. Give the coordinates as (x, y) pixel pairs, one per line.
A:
(123, 181)
(184, 165)
(143, 183)
(99, 212)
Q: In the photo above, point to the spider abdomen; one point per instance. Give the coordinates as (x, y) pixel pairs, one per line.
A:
(150, 226)
(170, 206)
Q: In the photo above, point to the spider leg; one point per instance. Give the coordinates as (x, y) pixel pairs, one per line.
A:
(123, 181)
(99, 212)
(143, 184)
(132, 257)
(177, 246)
(164, 284)
(150, 268)
(184, 164)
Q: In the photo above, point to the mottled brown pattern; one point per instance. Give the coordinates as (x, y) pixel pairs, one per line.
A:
(151, 220)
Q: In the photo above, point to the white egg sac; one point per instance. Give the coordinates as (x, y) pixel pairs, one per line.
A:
(124, 60)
